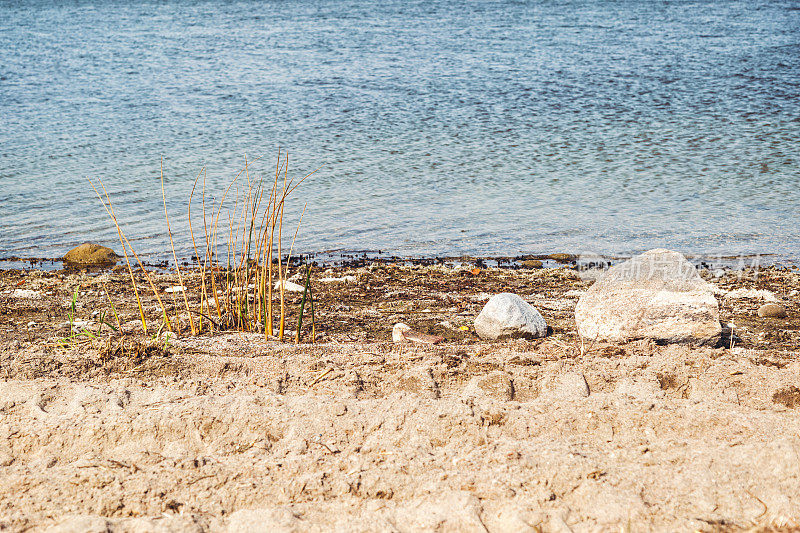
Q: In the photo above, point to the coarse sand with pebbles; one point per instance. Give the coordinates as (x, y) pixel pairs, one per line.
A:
(231, 432)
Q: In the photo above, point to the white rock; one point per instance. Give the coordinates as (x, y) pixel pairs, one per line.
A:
(26, 293)
(507, 316)
(398, 330)
(289, 286)
(176, 288)
(753, 294)
(657, 295)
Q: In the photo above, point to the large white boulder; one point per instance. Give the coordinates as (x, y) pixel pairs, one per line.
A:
(507, 316)
(657, 295)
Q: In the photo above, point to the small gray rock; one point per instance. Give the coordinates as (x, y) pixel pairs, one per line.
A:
(507, 316)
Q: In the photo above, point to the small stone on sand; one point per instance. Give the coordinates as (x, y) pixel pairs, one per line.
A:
(772, 310)
(507, 316)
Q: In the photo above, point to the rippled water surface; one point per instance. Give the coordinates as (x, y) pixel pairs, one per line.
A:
(442, 127)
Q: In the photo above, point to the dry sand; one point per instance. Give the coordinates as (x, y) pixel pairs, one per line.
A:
(233, 432)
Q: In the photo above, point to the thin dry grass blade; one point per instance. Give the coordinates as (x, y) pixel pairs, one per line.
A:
(174, 255)
(124, 251)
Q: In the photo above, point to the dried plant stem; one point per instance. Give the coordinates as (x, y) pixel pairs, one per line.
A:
(122, 240)
(203, 293)
(113, 309)
(273, 216)
(243, 289)
(303, 305)
(174, 255)
(280, 257)
(289, 257)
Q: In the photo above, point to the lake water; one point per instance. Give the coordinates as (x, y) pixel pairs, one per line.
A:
(441, 127)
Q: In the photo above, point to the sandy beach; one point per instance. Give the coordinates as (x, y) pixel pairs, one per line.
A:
(229, 431)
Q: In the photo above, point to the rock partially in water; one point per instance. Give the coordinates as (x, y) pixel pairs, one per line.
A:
(531, 263)
(507, 316)
(657, 295)
(772, 310)
(91, 254)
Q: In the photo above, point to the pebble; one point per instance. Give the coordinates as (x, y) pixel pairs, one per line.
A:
(26, 293)
(772, 310)
(532, 263)
(176, 288)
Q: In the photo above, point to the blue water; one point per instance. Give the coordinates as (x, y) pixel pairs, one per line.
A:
(442, 127)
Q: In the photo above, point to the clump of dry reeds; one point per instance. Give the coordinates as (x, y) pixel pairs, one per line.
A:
(236, 286)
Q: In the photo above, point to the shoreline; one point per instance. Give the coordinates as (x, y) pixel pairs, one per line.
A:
(363, 258)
